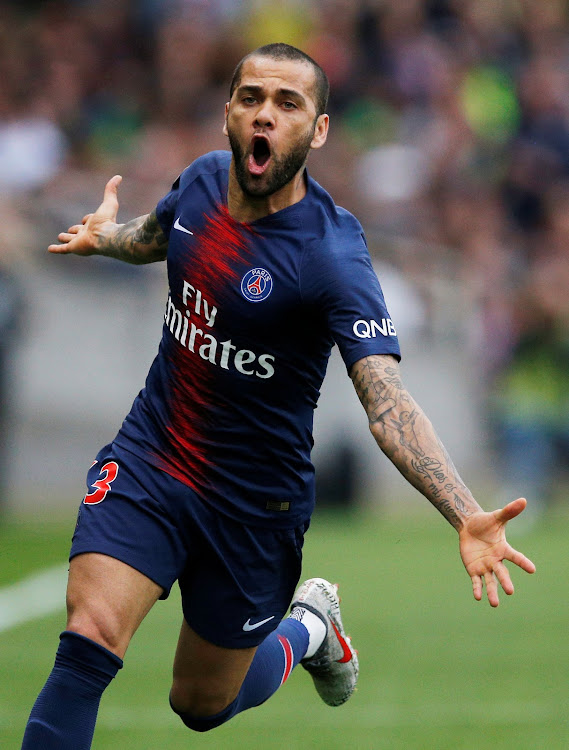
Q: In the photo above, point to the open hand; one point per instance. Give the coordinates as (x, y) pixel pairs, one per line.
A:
(85, 238)
(483, 548)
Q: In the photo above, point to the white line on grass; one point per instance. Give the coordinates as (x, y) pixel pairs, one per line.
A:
(40, 594)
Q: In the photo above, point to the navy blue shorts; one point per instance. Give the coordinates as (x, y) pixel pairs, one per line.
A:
(236, 581)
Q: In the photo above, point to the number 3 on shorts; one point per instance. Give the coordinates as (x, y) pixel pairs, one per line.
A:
(103, 485)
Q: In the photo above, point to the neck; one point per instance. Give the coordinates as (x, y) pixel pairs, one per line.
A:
(245, 208)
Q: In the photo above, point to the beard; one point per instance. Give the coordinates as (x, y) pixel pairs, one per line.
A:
(280, 171)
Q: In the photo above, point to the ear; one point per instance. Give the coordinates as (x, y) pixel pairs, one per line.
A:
(225, 122)
(321, 131)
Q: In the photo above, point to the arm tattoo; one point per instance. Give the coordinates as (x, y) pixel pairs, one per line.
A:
(408, 439)
(138, 241)
(373, 391)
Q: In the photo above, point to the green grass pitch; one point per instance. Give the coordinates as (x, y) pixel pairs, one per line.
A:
(438, 670)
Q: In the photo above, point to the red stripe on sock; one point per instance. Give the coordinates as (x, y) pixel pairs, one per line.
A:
(287, 648)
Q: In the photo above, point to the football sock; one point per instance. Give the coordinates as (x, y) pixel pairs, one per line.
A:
(274, 660)
(315, 626)
(65, 712)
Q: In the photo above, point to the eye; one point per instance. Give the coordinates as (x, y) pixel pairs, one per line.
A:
(248, 100)
(289, 105)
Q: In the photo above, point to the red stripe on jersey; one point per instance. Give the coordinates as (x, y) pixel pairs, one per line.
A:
(289, 658)
(216, 262)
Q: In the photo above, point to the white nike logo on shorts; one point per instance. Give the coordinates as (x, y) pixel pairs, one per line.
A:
(247, 627)
(177, 225)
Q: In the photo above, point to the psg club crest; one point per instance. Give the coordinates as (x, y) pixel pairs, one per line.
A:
(256, 285)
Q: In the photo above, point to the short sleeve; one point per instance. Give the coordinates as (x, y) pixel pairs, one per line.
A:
(166, 208)
(340, 280)
(214, 163)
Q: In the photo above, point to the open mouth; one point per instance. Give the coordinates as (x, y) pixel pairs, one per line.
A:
(260, 154)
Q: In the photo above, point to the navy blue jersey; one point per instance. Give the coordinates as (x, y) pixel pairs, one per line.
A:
(252, 314)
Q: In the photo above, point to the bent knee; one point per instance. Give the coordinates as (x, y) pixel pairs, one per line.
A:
(201, 709)
(205, 723)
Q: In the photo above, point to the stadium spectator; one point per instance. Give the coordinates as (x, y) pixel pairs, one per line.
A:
(530, 404)
(468, 94)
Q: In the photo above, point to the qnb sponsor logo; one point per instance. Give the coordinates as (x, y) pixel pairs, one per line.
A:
(369, 329)
(193, 337)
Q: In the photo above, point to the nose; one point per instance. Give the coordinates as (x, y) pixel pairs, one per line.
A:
(265, 116)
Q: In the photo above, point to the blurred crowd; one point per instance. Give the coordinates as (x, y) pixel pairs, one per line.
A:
(449, 140)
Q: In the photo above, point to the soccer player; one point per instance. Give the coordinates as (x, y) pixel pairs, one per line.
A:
(209, 480)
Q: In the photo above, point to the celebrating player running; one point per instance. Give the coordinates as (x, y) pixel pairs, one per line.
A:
(209, 481)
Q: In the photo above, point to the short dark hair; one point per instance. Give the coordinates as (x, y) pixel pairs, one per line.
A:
(281, 51)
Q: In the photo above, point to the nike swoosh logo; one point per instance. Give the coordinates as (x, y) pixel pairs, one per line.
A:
(347, 656)
(177, 225)
(248, 626)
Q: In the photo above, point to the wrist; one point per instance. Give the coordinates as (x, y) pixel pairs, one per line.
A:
(457, 509)
(106, 239)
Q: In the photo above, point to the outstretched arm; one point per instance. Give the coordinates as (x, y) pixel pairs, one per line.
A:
(139, 241)
(407, 437)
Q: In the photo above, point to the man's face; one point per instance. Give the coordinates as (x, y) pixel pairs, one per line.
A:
(271, 123)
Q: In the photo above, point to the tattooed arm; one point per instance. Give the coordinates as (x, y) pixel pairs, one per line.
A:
(139, 241)
(408, 439)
